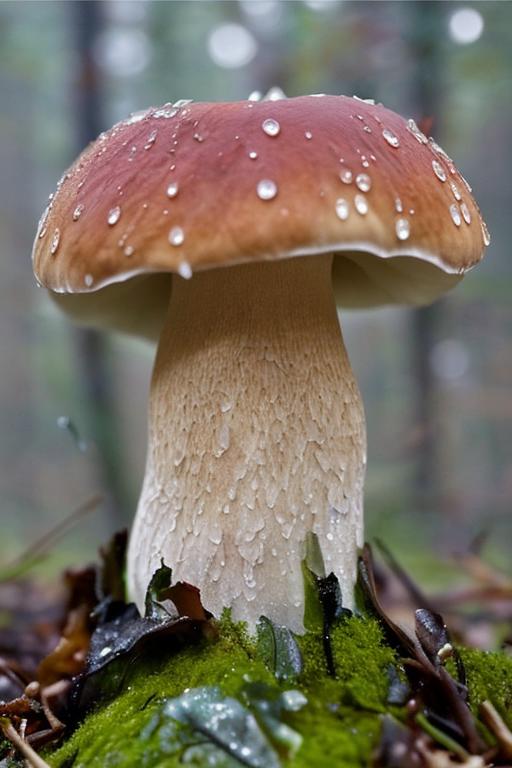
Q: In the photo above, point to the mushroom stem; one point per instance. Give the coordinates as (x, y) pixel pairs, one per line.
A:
(256, 437)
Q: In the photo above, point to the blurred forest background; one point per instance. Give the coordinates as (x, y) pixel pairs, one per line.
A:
(436, 382)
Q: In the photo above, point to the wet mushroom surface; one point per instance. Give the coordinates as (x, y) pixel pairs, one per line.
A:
(229, 232)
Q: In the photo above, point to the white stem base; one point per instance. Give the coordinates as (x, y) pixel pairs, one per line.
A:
(256, 437)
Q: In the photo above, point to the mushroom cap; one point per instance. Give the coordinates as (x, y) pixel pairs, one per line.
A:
(194, 186)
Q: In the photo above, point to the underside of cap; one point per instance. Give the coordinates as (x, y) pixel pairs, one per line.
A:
(189, 187)
(138, 306)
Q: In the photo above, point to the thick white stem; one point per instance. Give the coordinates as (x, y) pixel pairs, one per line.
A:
(256, 437)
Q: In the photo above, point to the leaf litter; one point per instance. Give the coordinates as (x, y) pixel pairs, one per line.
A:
(95, 637)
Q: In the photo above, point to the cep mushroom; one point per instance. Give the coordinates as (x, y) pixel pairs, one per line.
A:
(229, 231)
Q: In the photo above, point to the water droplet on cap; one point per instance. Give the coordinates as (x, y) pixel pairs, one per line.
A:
(176, 236)
(485, 234)
(455, 214)
(182, 103)
(55, 242)
(184, 269)
(253, 155)
(361, 204)
(465, 213)
(172, 189)
(398, 205)
(346, 176)
(129, 250)
(254, 96)
(455, 190)
(418, 135)
(78, 211)
(308, 135)
(438, 170)
(271, 127)
(402, 229)
(391, 138)
(266, 189)
(114, 215)
(342, 209)
(88, 280)
(274, 94)
(363, 182)
(151, 139)
(165, 112)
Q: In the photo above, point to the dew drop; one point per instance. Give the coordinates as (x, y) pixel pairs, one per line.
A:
(466, 184)
(346, 176)
(88, 280)
(254, 96)
(365, 101)
(455, 190)
(465, 213)
(402, 229)
(253, 155)
(485, 234)
(55, 242)
(361, 204)
(182, 103)
(274, 94)
(391, 138)
(455, 214)
(418, 135)
(176, 236)
(165, 112)
(198, 137)
(342, 209)
(78, 211)
(271, 127)
(114, 215)
(172, 189)
(184, 269)
(438, 170)
(129, 250)
(151, 139)
(266, 189)
(308, 135)
(363, 182)
(398, 205)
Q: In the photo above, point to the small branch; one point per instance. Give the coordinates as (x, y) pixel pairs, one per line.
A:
(498, 727)
(25, 749)
(36, 550)
(441, 738)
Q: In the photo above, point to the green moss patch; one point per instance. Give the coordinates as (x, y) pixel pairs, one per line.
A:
(324, 721)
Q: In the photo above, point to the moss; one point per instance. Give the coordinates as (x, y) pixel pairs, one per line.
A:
(339, 725)
(489, 676)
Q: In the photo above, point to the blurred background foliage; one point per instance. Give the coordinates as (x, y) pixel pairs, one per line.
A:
(436, 382)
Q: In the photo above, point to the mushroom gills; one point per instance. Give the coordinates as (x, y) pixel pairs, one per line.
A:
(256, 438)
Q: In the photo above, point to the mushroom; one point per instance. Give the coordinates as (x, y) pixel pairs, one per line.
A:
(228, 232)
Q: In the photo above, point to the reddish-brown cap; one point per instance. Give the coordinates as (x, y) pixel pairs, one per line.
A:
(188, 187)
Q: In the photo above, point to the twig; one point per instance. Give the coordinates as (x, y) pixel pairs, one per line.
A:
(25, 749)
(421, 600)
(499, 728)
(27, 558)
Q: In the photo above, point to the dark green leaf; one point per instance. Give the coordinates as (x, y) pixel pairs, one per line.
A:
(269, 704)
(279, 650)
(155, 593)
(225, 725)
